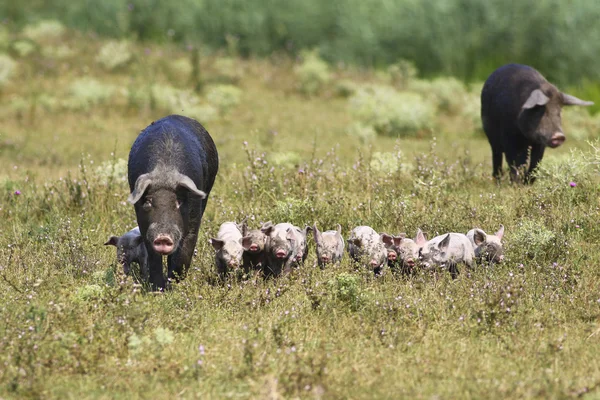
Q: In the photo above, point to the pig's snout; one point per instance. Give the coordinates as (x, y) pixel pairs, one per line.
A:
(501, 258)
(253, 247)
(557, 139)
(374, 263)
(392, 256)
(163, 244)
(325, 259)
(280, 253)
(410, 262)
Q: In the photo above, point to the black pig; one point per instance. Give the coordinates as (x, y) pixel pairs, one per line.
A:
(172, 167)
(521, 109)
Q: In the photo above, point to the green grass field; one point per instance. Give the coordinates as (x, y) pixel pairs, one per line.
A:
(300, 143)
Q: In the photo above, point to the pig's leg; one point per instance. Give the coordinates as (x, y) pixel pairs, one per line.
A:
(155, 269)
(537, 152)
(517, 160)
(453, 269)
(180, 261)
(497, 163)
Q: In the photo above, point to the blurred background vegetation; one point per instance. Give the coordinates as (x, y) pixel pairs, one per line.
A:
(462, 38)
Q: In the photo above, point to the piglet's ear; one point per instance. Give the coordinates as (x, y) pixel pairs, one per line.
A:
(500, 232)
(479, 236)
(420, 240)
(443, 245)
(112, 241)
(536, 98)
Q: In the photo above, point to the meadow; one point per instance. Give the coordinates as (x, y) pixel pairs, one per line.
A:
(299, 141)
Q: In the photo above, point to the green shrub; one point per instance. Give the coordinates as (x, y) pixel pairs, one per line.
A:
(449, 94)
(402, 73)
(7, 69)
(393, 113)
(364, 133)
(115, 55)
(44, 31)
(87, 92)
(579, 124)
(224, 97)
(312, 74)
(532, 237)
(23, 48)
(345, 288)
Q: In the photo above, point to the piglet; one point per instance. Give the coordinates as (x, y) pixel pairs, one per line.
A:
(447, 251)
(228, 256)
(330, 245)
(366, 246)
(487, 247)
(403, 252)
(131, 248)
(253, 244)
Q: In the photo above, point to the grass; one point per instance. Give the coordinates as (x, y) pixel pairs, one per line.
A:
(72, 325)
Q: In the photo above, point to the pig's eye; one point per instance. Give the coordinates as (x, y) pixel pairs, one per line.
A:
(147, 205)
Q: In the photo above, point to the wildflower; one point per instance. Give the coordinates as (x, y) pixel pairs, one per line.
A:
(572, 184)
(17, 192)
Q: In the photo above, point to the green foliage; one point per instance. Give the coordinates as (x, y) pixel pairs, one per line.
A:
(114, 55)
(72, 322)
(532, 238)
(224, 97)
(345, 288)
(393, 113)
(44, 31)
(464, 38)
(313, 73)
(7, 69)
(88, 92)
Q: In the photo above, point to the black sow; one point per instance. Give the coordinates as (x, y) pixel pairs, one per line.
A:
(520, 109)
(172, 167)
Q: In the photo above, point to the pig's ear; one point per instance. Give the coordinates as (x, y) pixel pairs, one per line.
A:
(443, 245)
(479, 236)
(536, 98)
(246, 242)
(339, 229)
(398, 239)
(290, 234)
(267, 227)
(217, 243)
(316, 233)
(387, 240)
(500, 232)
(186, 182)
(569, 100)
(307, 229)
(141, 185)
(112, 241)
(420, 240)
(243, 227)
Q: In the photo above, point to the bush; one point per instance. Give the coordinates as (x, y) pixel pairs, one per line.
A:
(449, 94)
(345, 288)
(312, 73)
(87, 92)
(185, 102)
(224, 97)
(393, 113)
(402, 73)
(44, 31)
(364, 133)
(532, 237)
(7, 69)
(114, 55)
